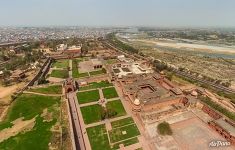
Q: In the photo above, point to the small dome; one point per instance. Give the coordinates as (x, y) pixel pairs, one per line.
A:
(194, 93)
(137, 101)
(119, 76)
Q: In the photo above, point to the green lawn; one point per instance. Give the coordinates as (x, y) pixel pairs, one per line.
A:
(94, 85)
(29, 106)
(117, 135)
(110, 93)
(102, 71)
(37, 139)
(54, 89)
(98, 138)
(81, 75)
(122, 122)
(117, 106)
(111, 61)
(61, 64)
(91, 113)
(88, 96)
(60, 74)
(75, 72)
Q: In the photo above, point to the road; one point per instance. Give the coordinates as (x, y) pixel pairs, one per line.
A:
(79, 140)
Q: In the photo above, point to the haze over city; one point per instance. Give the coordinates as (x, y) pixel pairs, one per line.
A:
(170, 13)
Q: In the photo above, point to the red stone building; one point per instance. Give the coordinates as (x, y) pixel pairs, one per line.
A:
(150, 92)
(211, 112)
(224, 128)
(69, 86)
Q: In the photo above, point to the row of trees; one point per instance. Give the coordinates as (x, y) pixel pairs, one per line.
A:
(113, 40)
(217, 107)
(22, 61)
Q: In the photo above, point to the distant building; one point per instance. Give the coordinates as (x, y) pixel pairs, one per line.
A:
(1, 74)
(97, 64)
(128, 68)
(73, 51)
(61, 47)
(150, 92)
(17, 75)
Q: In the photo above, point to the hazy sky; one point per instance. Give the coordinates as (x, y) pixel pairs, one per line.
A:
(117, 12)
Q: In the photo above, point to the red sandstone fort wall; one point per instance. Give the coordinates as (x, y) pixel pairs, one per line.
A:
(211, 112)
(151, 107)
(222, 132)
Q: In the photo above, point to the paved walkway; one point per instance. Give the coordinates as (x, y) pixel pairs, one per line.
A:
(28, 92)
(70, 66)
(88, 104)
(110, 120)
(95, 88)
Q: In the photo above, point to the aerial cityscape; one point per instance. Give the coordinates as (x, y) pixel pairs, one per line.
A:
(117, 75)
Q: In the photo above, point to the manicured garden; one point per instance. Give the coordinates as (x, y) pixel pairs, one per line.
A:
(61, 64)
(124, 132)
(53, 89)
(117, 106)
(94, 85)
(98, 138)
(122, 122)
(126, 142)
(110, 93)
(88, 96)
(75, 72)
(59, 74)
(91, 113)
(102, 71)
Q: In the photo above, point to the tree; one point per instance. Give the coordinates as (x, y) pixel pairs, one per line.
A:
(84, 49)
(160, 66)
(42, 80)
(164, 128)
(107, 113)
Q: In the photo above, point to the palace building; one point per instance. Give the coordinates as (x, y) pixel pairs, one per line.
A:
(149, 92)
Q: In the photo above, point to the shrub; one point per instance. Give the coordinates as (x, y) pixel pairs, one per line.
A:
(164, 128)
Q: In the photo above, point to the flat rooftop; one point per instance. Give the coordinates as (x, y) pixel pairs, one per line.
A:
(148, 90)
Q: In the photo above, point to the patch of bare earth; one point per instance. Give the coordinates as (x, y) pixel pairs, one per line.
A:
(3, 112)
(55, 142)
(18, 126)
(47, 116)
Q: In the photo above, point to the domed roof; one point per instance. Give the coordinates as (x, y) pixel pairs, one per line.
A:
(194, 93)
(137, 101)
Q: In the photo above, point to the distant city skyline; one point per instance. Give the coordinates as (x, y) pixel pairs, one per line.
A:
(152, 13)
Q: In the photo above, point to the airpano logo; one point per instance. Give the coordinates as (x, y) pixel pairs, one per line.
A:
(219, 143)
